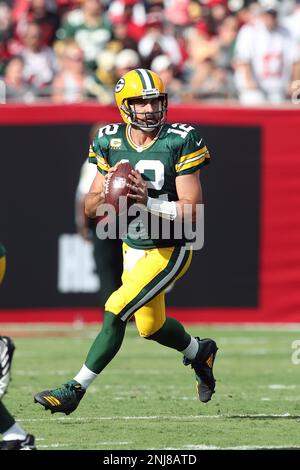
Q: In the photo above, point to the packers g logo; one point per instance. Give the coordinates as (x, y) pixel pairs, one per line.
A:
(120, 85)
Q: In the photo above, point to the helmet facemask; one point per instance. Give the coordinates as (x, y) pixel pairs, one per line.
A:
(146, 121)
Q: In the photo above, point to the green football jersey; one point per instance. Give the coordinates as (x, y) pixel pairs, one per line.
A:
(177, 150)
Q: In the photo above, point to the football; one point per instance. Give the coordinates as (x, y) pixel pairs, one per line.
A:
(116, 186)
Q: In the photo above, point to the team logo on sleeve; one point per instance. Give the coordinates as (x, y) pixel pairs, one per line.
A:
(120, 85)
(115, 143)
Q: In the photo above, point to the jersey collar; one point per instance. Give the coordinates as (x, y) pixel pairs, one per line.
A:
(140, 148)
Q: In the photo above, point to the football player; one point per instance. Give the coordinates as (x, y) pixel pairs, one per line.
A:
(167, 159)
(14, 437)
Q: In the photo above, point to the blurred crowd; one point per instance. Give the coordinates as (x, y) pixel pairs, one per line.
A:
(75, 50)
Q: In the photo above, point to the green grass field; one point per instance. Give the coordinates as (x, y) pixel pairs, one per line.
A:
(145, 398)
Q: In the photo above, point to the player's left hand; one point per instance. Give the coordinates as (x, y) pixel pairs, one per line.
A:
(138, 187)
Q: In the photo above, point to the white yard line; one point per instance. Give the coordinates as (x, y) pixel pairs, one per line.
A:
(186, 446)
(169, 418)
(282, 387)
(108, 443)
(31, 372)
(38, 372)
(246, 447)
(75, 445)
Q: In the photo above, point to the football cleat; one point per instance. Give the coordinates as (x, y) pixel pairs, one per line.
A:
(7, 348)
(203, 368)
(64, 399)
(25, 444)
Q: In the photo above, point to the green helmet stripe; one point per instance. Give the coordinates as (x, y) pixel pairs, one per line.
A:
(142, 79)
(151, 79)
(146, 78)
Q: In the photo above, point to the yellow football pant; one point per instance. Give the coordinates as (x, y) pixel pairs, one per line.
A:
(146, 275)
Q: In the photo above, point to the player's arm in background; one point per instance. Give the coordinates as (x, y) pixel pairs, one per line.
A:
(95, 197)
(87, 175)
